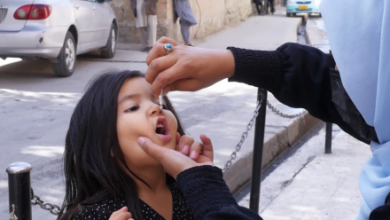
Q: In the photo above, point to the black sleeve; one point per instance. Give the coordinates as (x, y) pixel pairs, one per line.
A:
(382, 212)
(209, 197)
(297, 75)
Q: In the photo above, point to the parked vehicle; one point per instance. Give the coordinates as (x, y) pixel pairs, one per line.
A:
(302, 6)
(57, 30)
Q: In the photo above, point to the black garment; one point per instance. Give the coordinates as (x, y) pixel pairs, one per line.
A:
(209, 197)
(103, 210)
(382, 212)
(300, 77)
(258, 6)
(271, 2)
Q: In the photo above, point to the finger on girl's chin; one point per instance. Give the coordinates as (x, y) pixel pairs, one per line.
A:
(205, 139)
(194, 155)
(186, 150)
(178, 136)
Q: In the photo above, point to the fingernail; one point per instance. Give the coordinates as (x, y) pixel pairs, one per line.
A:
(193, 154)
(141, 141)
(186, 150)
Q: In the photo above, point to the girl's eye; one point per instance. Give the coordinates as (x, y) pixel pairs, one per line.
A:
(132, 109)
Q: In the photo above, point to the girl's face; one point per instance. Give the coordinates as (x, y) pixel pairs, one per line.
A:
(139, 115)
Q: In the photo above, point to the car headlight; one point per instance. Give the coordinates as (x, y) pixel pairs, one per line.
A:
(317, 2)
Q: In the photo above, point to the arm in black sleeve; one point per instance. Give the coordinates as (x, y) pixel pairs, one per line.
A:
(297, 75)
(209, 197)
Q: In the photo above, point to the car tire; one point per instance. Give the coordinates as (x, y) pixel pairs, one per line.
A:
(109, 50)
(67, 58)
(288, 14)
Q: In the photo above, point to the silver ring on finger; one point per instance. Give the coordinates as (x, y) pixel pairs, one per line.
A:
(168, 48)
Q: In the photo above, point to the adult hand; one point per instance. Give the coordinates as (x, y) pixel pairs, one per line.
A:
(186, 68)
(121, 214)
(188, 146)
(175, 162)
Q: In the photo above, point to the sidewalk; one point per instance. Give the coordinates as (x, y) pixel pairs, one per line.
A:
(313, 185)
(310, 184)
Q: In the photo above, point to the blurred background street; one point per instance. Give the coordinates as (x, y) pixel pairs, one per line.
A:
(300, 181)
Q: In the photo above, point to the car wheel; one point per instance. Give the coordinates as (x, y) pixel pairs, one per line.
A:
(67, 58)
(109, 50)
(288, 14)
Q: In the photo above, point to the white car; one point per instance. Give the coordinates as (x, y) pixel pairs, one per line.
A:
(57, 30)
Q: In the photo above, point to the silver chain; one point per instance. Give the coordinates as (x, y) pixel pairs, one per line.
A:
(244, 135)
(36, 200)
(284, 115)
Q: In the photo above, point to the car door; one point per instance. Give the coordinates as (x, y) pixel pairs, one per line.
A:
(84, 15)
(102, 23)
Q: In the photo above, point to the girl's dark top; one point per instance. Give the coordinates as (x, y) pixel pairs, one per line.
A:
(103, 210)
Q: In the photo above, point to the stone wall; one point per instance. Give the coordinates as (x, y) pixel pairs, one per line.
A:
(212, 16)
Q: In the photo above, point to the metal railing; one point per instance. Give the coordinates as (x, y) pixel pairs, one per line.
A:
(19, 191)
(258, 147)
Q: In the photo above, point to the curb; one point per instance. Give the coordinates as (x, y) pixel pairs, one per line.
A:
(240, 172)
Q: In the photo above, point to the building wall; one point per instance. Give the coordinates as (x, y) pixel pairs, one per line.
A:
(212, 16)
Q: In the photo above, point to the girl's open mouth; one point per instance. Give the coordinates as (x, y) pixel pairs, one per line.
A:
(162, 129)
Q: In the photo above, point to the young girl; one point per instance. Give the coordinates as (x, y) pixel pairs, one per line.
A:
(105, 168)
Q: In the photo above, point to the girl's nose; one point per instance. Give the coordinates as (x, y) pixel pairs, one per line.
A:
(155, 109)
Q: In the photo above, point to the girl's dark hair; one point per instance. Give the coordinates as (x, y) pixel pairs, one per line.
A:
(92, 175)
